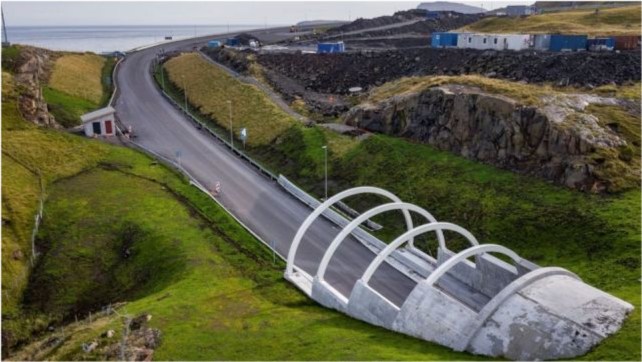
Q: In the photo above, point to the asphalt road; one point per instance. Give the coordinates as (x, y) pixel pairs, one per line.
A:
(260, 203)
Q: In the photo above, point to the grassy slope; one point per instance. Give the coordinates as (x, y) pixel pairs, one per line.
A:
(263, 119)
(597, 237)
(79, 83)
(211, 287)
(558, 3)
(220, 296)
(615, 21)
(525, 93)
(26, 152)
(79, 75)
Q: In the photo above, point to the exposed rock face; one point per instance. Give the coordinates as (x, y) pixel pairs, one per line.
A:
(553, 141)
(30, 74)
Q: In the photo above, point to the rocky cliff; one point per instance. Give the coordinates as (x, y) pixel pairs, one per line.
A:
(554, 140)
(31, 71)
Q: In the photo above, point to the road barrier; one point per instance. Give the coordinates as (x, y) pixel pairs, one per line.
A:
(313, 203)
(410, 261)
(194, 182)
(202, 125)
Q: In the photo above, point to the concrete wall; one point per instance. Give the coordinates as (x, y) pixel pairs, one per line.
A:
(554, 317)
(434, 316)
(369, 306)
(328, 297)
(534, 313)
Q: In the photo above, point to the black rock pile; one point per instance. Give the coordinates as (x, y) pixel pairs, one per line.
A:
(336, 73)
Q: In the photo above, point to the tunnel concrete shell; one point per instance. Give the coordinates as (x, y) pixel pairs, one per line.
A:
(485, 306)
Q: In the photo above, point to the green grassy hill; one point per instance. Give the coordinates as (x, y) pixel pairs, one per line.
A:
(614, 21)
(597, 237)
(560, 3)
(79, 83)
(211, 287)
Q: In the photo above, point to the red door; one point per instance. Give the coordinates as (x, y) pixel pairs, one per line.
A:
(108, 128)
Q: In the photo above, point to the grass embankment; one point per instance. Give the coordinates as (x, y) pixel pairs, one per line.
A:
(79, 83)
(596, 236)
(210, 286)
(527, 94)
(615, 21)
(263, 119)
(120, 227)
(27, 154)
(10, 58)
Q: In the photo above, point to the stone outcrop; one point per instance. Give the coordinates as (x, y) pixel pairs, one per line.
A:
(553, 140)
(31, 73)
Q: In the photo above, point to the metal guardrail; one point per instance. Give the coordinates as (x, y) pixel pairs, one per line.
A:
(214, 134)
(338, 217)
(194, 182)
(410, 262)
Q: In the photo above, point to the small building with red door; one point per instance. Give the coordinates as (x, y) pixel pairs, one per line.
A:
(100, 122)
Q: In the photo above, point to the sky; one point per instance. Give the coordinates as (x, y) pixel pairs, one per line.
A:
(76, 13)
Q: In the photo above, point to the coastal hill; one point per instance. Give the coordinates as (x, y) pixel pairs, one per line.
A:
(570, 3)
(623, 20)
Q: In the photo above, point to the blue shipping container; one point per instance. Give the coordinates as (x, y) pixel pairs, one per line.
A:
(213, 43)
(433, 15)
(601, 44)
(573, 43)
(331, 47)
(443, 40)
(232, 42)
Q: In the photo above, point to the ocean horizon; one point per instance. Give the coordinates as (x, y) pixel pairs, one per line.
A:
(102, 39)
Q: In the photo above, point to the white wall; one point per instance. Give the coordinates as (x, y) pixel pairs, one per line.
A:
(89, 127)
(493, 41)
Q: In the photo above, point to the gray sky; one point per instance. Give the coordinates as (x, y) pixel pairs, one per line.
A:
(19, 13)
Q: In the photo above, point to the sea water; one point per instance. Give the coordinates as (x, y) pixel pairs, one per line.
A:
(101, 39)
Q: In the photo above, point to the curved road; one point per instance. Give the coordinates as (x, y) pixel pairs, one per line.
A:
(260, 203)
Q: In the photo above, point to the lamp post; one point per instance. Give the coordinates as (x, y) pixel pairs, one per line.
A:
(185, 93)
(231, 126)
(325, 150)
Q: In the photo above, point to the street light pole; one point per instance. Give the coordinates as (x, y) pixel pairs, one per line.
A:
(325, 149)
(162, 75)
(185, 93)
(231, 126)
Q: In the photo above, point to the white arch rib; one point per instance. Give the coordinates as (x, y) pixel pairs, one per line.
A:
(365, 216)
(326, 205)
(465, 254)
(411, 234)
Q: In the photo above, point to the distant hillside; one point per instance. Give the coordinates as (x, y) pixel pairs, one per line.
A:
(614, 21)
(449, 6)
(560, 3)
(398, 17)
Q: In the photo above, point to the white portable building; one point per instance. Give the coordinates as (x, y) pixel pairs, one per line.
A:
(493, 41)
(100, 122)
